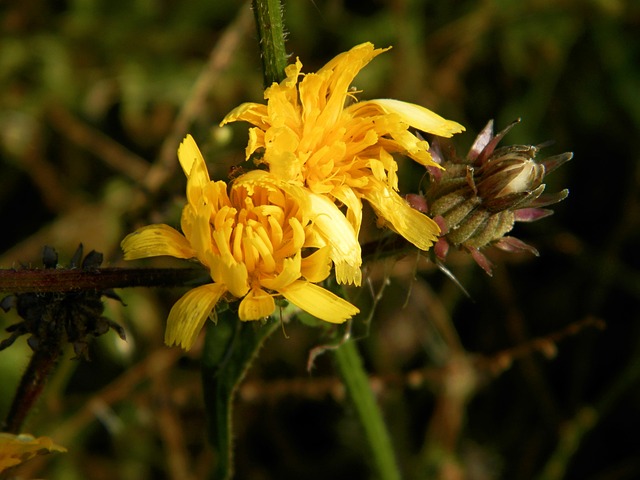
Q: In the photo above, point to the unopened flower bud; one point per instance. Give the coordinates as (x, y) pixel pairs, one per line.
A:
(509, 171)
(478, 199)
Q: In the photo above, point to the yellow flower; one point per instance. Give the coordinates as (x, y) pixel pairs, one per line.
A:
(263, 237)
(16, 449)
(312, 132)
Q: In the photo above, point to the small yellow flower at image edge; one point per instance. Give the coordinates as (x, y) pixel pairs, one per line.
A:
(17, 449)
(261, 237)
(314, 133)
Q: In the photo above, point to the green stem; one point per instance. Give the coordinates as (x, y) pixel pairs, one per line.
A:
(229, 350)
(357, 383)
(270, 28)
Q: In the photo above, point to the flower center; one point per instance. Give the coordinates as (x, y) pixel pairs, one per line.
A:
(264, 231)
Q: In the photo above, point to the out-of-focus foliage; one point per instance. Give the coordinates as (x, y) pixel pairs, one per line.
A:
(90, 93)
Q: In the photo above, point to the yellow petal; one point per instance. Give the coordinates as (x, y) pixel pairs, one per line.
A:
(253, 113)
(290, 273)
(281, 144)
(194, 167)
(154, 241)
(323, 94)
(345, 249)
(188, 315)
(319, 302)
(256, 141)
(255, 305)
(416, 227)
(419, 117)
(352, 61)
(354, 206)
(232, 274)
(199, 232)
(317, 266)
(415, 148)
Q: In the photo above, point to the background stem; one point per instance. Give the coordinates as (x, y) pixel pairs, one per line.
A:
(358, 387)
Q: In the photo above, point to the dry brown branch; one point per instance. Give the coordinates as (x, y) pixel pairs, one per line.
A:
(46, 178)
(499, 362)
(221, 56)
(106, 149)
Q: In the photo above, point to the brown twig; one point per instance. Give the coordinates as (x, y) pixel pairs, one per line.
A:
(52, 280)
(111, 152)
(171, 430)
(219, 59)
(46, 177)
(499, 362)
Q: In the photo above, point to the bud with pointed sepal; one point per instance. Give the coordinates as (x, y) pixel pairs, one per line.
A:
(476, 200)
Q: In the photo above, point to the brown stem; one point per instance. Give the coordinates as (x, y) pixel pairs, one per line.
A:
(33, 381)
(53, 280)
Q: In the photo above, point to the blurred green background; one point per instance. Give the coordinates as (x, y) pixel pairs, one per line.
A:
(96, 95)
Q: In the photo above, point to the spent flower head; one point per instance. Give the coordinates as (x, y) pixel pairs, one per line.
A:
(313, 132)
(50, 318)
(476, 200)
(260, 238)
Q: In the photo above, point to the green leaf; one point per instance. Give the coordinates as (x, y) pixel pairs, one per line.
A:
(229, 349)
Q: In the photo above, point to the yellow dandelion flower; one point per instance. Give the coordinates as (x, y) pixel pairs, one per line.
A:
(310, 134)
(16, 449)
(259, 239)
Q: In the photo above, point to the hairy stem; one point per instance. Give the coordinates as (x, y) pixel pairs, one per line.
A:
(270, 28)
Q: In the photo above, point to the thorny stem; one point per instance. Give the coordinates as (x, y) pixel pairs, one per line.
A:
(53, 280)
